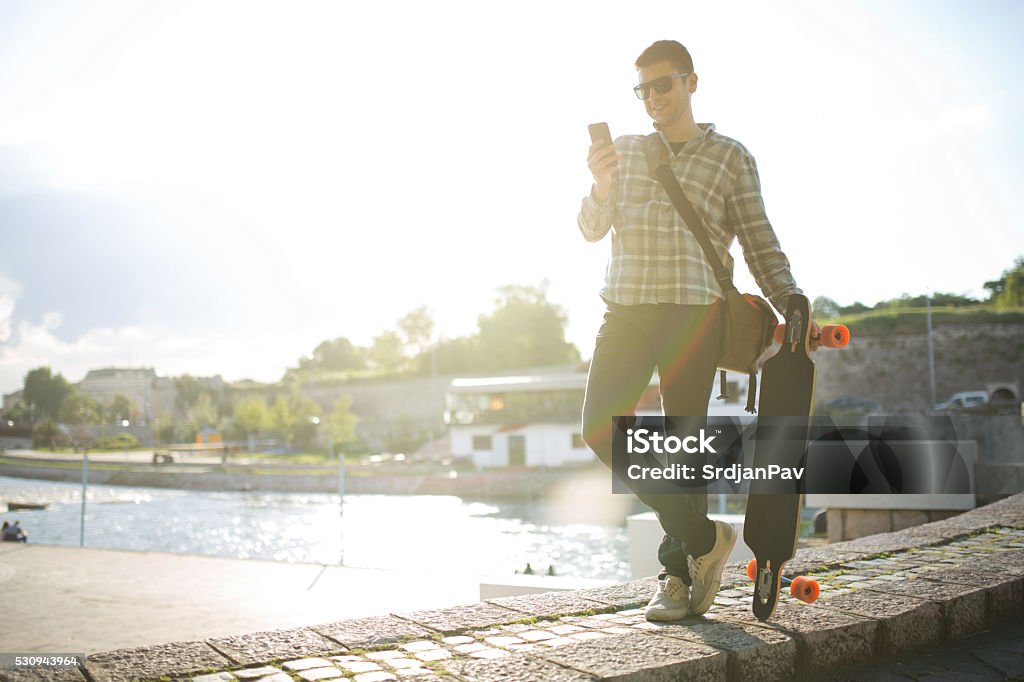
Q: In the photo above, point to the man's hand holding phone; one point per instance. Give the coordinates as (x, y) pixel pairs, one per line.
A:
(602, 159)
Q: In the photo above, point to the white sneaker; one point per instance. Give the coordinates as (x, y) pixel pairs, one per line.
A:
(670, 602)
(706, 570)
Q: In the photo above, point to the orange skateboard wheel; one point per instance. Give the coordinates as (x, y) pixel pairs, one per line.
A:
(835, 335)
(752, 569)
(832, 335)
(805, 589)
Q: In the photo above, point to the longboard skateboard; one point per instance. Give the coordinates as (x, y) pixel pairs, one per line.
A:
(773, 508)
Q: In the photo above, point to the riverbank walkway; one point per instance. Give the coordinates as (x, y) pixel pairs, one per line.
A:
(939, 601)
(83, 600)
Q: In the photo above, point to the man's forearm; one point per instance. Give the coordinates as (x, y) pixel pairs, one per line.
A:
(595, 217)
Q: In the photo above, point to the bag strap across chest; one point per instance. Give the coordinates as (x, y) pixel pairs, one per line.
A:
(658, 165)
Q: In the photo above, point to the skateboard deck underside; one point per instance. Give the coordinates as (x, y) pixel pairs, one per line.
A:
(773, 518)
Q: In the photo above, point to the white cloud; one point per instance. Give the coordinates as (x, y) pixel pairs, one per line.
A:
(6, 312)
(9, 292)
(236, 354)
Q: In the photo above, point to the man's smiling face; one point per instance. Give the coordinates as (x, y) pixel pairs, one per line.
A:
(673, 106)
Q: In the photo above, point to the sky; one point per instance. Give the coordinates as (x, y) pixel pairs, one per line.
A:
(217, 187)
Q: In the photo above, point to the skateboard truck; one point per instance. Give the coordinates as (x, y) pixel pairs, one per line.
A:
(764, 582)
(795, 328)
(803, 588)
(830, 336)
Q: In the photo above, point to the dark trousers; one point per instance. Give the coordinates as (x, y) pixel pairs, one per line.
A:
(682, 342)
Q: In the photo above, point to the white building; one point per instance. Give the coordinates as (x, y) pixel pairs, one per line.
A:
(534, 420)
(149, 393)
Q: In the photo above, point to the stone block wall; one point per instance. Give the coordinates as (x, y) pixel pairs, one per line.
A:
(849, 524)
(894, 369)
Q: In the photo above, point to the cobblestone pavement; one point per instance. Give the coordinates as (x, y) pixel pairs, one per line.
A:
(872, 607)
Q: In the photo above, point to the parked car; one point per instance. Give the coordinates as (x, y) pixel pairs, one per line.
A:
(964, 400)
(852, 406)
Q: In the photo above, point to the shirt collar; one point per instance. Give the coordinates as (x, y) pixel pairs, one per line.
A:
(705, 130)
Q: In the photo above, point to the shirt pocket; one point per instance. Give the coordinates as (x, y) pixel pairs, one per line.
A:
(641, 190)
(642, 202)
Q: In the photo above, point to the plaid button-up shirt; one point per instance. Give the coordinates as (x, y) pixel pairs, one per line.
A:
(655, 258)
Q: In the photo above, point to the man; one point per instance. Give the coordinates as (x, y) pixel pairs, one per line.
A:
(663, 301)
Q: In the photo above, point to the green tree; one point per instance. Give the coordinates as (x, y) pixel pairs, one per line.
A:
(854, 309)
(44, 392)
(453, 356)
(907, 301)
(305, 420)
(336, 356)
(44, 434)
(417, 330)
(120, 408)
(187, 390)
(252, 415)
(524, 330)
(953, 300)
(386, 354)
(1008, 290)
(825, 308)
(341, 423)
(281, 418)
(78, 408)
(204, 412)
(165, 428)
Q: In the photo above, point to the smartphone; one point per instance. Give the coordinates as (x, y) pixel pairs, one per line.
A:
(599, 131)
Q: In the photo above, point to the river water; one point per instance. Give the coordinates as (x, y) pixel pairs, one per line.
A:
(368, 531)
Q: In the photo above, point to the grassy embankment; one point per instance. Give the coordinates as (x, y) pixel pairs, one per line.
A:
(894, 321)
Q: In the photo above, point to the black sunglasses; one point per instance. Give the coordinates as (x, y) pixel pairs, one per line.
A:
(661, 85)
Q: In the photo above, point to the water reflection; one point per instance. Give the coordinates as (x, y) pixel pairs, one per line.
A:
(432, 533)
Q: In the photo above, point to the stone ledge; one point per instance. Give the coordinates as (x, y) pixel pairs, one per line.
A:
(371, 633)
(176, 659)
(911, 624)
(825, 638)
(641, 656)
(266, 646)
(753, 653)
(881, 595)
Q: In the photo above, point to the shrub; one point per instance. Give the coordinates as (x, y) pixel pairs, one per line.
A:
(121, 441)
(44, 434)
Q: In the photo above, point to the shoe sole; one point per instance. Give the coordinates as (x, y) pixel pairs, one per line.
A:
(664, 616)
(712, 593)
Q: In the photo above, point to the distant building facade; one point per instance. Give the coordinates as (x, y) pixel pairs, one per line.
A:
(534, 420)
(12, 399)
(150, 393)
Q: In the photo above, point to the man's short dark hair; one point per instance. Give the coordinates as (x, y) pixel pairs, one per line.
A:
(669, 51)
